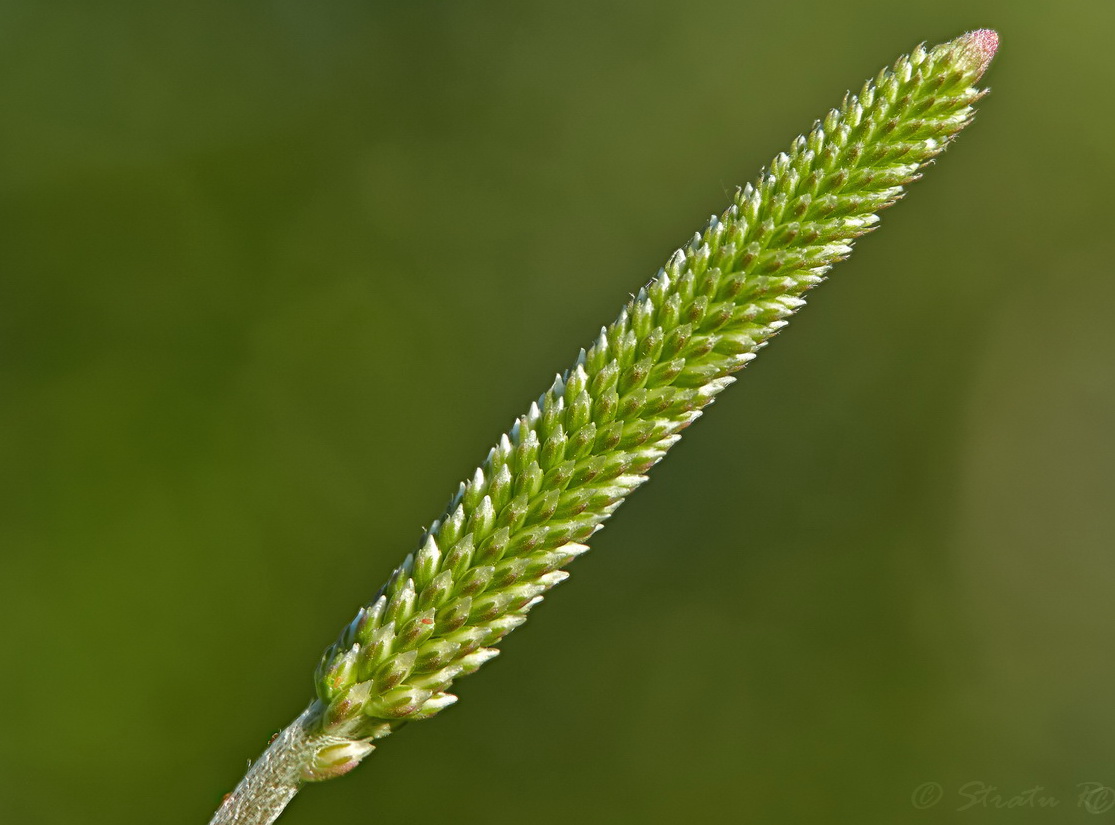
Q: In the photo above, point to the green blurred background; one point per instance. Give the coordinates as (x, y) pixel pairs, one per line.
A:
(274, 275)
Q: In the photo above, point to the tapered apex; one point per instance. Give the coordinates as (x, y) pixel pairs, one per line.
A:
(978, 49)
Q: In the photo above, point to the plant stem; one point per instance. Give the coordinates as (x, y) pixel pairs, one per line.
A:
(273, 780)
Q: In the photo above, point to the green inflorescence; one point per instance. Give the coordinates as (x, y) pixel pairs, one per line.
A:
(589, 440)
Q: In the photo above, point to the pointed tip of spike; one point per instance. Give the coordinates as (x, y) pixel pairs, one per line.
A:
(979, 48)
(987, 40)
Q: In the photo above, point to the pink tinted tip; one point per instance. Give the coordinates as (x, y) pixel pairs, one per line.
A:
(980, 47)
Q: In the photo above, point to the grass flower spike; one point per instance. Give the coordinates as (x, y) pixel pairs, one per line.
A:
(571, 459)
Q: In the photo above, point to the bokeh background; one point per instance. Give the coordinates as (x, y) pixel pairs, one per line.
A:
(275, 274)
